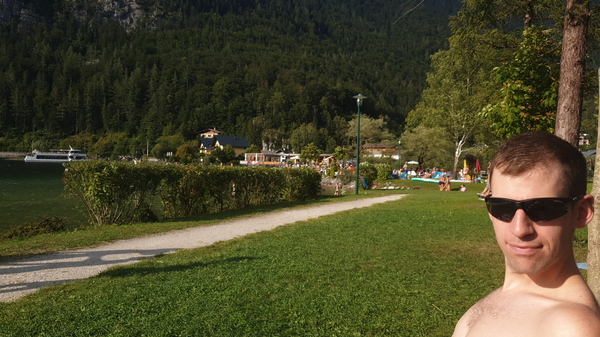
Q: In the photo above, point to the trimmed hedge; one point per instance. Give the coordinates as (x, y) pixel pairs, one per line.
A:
(120, 193)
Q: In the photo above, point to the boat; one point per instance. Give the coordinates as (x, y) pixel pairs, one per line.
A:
(56, 156)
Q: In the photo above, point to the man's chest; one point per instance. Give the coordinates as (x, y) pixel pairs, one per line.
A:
(504, 319)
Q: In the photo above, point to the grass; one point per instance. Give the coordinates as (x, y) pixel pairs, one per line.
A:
(405, 268)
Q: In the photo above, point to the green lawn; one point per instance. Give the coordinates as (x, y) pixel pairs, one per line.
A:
(405, 268)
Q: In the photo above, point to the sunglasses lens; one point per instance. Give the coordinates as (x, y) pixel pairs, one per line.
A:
(501, 209)
(546, 210)
(538, 210)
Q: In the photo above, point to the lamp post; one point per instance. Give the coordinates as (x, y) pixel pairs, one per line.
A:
(399, 142)
(359, 99)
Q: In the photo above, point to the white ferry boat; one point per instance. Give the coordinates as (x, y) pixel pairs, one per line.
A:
(56, 156)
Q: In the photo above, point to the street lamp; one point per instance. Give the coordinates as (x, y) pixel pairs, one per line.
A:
(399, 142)
(359, 99)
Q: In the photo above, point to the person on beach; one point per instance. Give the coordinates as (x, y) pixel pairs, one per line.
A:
(539, 199)
(443, 181)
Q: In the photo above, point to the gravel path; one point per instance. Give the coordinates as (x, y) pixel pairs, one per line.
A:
(20, 278)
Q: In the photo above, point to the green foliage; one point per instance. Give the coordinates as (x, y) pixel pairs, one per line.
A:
(342, 153)
(304, 135)
(428, 146)
(333, 168)
(384, 172)
(192, 190)
(248, 68)
(121, 193)
(105, 146)
(301, 184)
(460, 85)
(371, 130)
(115, 192)
(369, 172)
(223, 155)
(44, 225)
(186, 153)
(530, 87)
(82, 142)
(252, 149)
(310, 153)
(346, 177)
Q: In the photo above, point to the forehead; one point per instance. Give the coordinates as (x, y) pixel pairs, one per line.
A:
(539, 182)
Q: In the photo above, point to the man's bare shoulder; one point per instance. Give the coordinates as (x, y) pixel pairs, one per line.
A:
(525, 314)
(473, 314)
(462, 327)
(571, 319)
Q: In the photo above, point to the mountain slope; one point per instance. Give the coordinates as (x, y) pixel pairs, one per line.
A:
(249, 67)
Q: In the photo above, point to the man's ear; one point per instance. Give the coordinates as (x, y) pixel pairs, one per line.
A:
(584, 209)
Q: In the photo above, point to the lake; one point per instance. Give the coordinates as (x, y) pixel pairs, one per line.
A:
(32, 190)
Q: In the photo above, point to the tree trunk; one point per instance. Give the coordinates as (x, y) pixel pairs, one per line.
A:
(572, 67)
(593, 258)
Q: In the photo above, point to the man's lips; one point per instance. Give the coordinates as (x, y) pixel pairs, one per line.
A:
(524, 249)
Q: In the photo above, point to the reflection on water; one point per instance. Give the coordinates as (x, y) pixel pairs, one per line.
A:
(31, 190)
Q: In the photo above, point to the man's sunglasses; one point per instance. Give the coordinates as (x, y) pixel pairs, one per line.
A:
(538, 209)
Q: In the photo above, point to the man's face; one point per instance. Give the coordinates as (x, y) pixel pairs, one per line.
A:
(529, 247)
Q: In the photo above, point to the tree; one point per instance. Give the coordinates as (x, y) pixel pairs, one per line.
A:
(529, 87)
(252, 149)
(185, 153)
(371, 130)
(593, 258)
(310, 153)
(304, 135)
(460, 85)
(342, 153)
(426, 145)
(224, 155)
(572, 71)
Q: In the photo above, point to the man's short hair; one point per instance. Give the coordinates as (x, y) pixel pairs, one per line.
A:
(530, 150)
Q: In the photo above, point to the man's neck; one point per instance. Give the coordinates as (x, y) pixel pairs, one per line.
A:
(549, 280)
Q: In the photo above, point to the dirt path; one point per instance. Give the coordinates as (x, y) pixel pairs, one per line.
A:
(19, 278)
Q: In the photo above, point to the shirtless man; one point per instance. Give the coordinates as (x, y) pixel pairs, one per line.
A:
(539, 199)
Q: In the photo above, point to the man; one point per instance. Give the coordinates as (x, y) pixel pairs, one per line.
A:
(538, 200)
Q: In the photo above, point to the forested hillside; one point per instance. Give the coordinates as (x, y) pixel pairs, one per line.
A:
(253, 68)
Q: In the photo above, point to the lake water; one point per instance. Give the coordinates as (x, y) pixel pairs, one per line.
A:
(32, 190)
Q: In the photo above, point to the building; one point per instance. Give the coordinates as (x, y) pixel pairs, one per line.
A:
(379, 150)
(270, 158)
(208, 144)
(209, 133)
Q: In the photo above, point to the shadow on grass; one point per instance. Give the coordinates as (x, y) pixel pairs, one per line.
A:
(21, 277)
(140, 271)
(58, 263)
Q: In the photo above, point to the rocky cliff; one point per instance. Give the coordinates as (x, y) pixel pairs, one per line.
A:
(127, 12)
(16, 11)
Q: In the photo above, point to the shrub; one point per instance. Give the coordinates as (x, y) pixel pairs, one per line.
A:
(384, 171)
(368, 171)
(301, 184)
(346, 177)
(44, 225)
(119, 193)
(114, 192)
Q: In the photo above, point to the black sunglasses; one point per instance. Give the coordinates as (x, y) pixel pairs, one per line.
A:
(538, 209)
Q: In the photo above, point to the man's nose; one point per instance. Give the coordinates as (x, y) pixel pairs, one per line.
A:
(521, 225)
